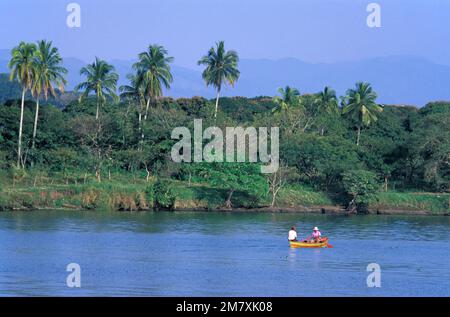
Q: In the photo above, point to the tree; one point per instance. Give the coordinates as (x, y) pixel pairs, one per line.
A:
(361, 186)
(361, 106)
(327, 104)
(101, 79)
(289, 98)
(221, 68)
(48, 72)
(95, 146)
(135, 92)
(22, 69)
(320, 161)
(153, 71)
(279, 179)
(430, 148)
(232, 177)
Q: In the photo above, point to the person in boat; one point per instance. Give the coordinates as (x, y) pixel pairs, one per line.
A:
(316, 236)
(292, 235)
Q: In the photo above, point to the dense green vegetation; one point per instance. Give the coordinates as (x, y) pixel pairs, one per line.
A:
(109, 150)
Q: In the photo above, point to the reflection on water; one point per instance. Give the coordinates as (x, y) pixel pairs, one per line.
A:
(220, 254)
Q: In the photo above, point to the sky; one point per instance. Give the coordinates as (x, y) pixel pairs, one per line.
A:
(309, 30)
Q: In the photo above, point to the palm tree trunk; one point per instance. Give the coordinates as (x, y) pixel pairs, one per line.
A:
(146, 109)
(19, 146)
(35, 123)
(217, 103)
(140, 121)
(145, 119)
(98, 107)
(358, 135)
(141, 129)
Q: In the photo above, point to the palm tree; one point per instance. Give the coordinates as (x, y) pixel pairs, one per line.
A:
(327, 103)
(361, 106)
(134, 92)
(153, 66)
(289, 97)
(221, 68)
(101, 79)
(48, 72)
(22, 69)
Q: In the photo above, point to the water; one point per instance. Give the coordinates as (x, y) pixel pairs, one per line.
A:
(220, 254)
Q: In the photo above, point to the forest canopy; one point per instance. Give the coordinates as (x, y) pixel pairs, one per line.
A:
(346, 146)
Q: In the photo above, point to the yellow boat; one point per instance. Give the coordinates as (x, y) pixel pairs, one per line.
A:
(303, 244)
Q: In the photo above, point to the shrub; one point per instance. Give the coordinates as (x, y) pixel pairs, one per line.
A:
(163, 195)
(150, 195)
(361, 186)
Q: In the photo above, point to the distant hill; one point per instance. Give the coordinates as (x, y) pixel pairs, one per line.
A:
(397, 79)
(8, 89)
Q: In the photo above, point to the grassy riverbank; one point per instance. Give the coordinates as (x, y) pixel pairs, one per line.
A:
(31, 192)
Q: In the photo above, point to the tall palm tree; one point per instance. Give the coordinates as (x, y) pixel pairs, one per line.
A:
(361, 106)
(22, 69)
(101, 79)
(135, 92)
(327, 103)
(289, 97)
(221, 68)
(153, 66)
(48, 73)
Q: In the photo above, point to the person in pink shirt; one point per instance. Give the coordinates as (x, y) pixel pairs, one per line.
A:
(316, 235)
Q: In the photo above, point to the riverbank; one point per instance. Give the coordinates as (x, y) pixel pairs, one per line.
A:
(138, 196)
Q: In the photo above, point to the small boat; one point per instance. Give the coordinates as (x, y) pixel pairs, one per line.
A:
(303, 244)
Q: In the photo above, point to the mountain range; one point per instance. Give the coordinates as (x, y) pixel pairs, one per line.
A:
(397, 79)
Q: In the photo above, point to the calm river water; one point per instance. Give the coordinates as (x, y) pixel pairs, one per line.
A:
(220, 254)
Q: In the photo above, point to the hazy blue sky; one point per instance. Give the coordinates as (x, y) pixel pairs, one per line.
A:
(311, 30)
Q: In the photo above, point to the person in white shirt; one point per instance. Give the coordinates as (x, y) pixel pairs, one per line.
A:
(292, 236)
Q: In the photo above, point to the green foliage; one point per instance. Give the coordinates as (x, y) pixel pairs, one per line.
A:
(22, 64)
(131, 141)
(48, 70)
(221, 68)
(242, 109)
(301, 195)
(437, 107)
(9, 90)
(153, 71)
(289, 97)
(163, 195)
(239, 176)
(360, 106)
(244, 177)
(436, 203)
(150, 195)
(101, 79)
(360, 185)
(320, 161)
